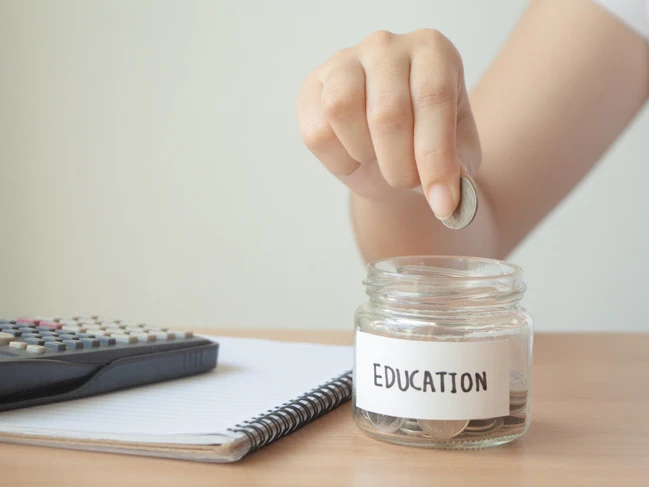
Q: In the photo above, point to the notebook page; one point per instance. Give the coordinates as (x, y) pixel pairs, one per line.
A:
(252, 377)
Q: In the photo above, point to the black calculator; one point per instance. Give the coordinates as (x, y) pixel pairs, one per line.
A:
(51, 359)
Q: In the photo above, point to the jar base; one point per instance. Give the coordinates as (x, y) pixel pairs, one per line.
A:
(458, 444)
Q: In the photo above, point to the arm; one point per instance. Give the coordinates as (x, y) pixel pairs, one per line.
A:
(568, 81)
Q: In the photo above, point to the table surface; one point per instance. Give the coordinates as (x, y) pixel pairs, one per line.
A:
(590, 410)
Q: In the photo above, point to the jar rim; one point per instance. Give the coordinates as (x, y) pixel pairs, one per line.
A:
(450, 267)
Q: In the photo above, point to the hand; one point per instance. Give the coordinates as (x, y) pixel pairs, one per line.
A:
(393, 114)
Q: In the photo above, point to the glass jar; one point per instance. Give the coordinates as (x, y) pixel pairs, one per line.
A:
(443, 353)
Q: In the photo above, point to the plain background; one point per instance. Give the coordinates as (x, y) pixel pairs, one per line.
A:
(151, 169)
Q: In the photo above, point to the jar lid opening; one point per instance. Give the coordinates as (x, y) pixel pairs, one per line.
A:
(448, 268)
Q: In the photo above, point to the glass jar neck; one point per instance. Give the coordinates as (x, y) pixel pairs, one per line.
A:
(444, 286)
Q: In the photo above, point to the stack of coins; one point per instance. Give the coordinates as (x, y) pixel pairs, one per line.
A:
(518, 392)
(444, 430)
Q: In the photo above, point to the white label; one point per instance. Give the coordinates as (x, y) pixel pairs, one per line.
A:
(431, 379)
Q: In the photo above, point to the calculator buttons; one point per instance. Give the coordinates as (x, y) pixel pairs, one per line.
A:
(84, 317)
(61, 319)
(15, 333)
(125, 338)
(112, 326)
(82, 332)
(182, 334)
(55, 346)
(146, 337)
(6, 338)
(50, 325)
(155, 329)
(24, 320)
(35, 349)
(162, 335)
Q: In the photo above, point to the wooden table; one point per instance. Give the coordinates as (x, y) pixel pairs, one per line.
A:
(590, 426)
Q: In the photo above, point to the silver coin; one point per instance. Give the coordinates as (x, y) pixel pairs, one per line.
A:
(443, 429)
(484, 425)
(467, 207)
(517, 408)
(411, 427)
(383, 422)
(517, 392)
(514, 420)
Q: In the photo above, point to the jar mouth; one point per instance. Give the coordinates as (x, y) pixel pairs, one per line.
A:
(450, 269)
(444, 284)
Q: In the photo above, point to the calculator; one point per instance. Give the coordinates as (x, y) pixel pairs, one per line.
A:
(51, 359)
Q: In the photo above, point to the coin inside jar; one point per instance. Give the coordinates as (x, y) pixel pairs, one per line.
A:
(383, 422)
(411, 427)
(517, 393)
(483, 425)
(442, 429)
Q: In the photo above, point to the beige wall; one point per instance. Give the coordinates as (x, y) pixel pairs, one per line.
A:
(150, 168)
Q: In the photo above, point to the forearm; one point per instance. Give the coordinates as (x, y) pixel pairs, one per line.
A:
(546, 111)
(566, 84)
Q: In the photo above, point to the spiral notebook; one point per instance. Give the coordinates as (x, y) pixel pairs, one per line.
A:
(261, 391)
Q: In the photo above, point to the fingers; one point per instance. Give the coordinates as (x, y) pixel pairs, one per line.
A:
(393, 113)
(467, 147)
(317, 133)
(389, 112)
(434, 87)
(368, 182)
(343, 103)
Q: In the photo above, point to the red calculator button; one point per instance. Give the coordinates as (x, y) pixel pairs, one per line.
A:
(51, 324)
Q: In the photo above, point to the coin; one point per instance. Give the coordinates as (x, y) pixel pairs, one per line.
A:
(481, 426)
(466, 208)
(411, 427)
(383, 422)
(517, 392)
(442, 429)
(514, 420)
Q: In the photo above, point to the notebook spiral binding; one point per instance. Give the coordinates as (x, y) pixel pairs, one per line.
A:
(290, 416)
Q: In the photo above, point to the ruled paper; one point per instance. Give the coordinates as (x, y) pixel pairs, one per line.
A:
(252, 377)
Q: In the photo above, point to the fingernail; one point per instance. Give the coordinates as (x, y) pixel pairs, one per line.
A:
(441, 201)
